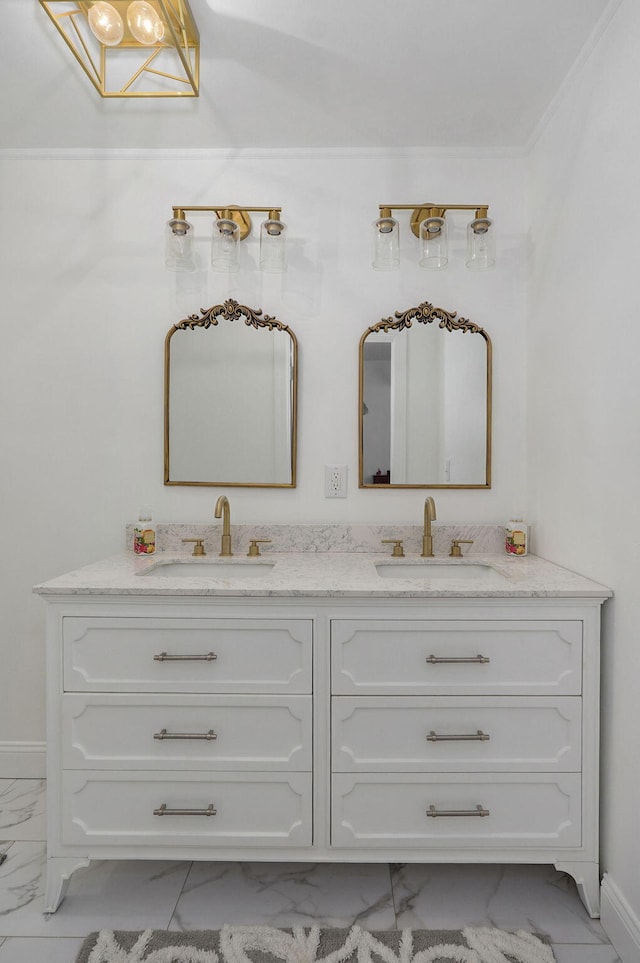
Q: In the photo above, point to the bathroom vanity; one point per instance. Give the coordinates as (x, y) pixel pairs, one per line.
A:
(324, 709)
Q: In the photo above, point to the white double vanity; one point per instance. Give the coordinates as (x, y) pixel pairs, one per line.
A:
(323, 707)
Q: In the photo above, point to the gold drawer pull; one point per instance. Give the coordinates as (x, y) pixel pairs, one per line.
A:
(476, 659)
(164, 657)
(478, 736)
(163, 811)
(163, 734)
(478, 811)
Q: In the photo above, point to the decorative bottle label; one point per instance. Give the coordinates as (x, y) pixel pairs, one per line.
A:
(144, 534)
(516, 537)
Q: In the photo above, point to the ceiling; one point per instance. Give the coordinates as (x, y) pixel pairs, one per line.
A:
(340, 73)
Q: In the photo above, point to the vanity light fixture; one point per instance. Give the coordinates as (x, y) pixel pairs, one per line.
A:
(232, 225)
(132, 48)
(429, 224)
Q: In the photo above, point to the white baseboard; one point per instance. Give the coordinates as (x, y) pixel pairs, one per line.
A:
(23, 760)
(619, 922)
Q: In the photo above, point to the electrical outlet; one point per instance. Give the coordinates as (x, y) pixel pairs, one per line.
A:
(335, 481)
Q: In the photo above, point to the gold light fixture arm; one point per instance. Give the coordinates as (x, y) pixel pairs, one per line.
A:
(141, 70)
(428, 209)
(186, 45)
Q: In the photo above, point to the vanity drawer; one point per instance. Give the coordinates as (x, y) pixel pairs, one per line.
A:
(438, 734)
(124, 809)
(456, 657)
(527, 810)
(187, 655)
(186, 732)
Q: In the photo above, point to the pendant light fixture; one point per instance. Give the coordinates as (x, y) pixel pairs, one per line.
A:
(386, 242)
(481, 243)
(179, 244)
(131, 48)
(433, 240)
(232, 225)
(429, 224)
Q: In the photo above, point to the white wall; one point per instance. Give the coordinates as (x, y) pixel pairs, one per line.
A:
(86, 304)
(584, 390)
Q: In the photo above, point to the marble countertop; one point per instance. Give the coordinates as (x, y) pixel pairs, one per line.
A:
(328, 574)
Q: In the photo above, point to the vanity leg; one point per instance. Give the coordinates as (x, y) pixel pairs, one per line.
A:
(587, 877)
(59, 870)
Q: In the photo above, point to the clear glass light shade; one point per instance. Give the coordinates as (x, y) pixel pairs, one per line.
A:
(273, 246)
(434, 248)
(144, 22)
(481, 244)
(386, 244)
(225, 245)
(106, 24)
(178, 251)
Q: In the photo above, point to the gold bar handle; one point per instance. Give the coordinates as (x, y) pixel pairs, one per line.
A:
(163, 734)
(163, 811)
(165, 657)
(478, 736)
(478, 811)
(440, 660)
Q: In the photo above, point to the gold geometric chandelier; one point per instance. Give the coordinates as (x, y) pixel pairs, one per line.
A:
(132, 48)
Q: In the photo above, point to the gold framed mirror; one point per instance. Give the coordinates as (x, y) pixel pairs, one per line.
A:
(230, 399)
(424, 403)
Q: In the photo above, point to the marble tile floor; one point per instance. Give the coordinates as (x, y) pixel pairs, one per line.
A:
(182, 896)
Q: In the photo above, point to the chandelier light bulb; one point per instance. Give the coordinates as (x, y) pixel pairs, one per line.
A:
(179, 245)
(433, 242)
(273, 250)
(225, 245)
(386, 244)
(106, 23)
(481, 249)
(145, 23)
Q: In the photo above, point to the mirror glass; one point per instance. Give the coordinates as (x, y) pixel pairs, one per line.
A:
(230, 400)
(425, 402)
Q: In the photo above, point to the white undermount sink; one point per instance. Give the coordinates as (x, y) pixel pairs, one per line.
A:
(448, 571)
(193, 569)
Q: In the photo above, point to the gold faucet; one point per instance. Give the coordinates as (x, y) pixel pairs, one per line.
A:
(223, 511)
(429, 516)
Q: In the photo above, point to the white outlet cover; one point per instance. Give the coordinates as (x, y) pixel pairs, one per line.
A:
(335, 481)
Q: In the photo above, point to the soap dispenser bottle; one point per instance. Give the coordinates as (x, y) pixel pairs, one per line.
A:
(144, 533)
(516, 537)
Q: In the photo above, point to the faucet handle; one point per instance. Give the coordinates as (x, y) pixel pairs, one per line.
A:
(198, 548)
(254, 547)
(456, 551)
(398, 551)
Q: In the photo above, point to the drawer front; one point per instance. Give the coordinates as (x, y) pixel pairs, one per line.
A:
(531, 811)
(186, 732)
(437, 734)
(123, 809)
(187, 655)
(456, 657)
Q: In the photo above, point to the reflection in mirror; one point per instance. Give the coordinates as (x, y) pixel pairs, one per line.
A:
(230, 400)
(425, 402)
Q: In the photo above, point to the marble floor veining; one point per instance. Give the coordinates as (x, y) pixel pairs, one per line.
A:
(181, 896)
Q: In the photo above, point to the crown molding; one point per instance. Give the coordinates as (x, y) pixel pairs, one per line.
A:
(197, 154)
